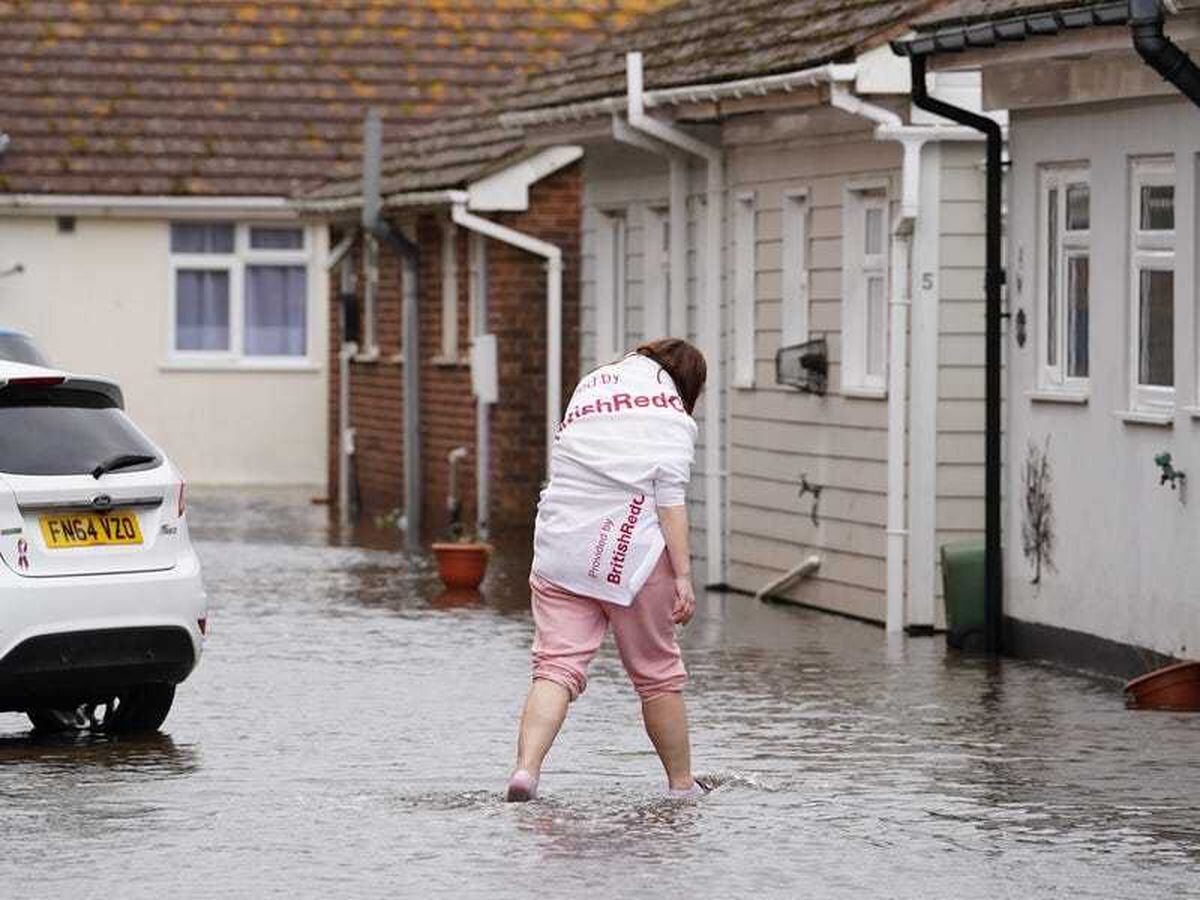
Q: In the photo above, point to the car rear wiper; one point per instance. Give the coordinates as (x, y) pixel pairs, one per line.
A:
(122, 461)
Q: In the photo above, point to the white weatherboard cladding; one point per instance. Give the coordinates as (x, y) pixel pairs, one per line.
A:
(776, 433)
(96, 301)
(1125, 560)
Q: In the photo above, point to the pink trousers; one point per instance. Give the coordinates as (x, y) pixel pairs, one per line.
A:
(571, 627)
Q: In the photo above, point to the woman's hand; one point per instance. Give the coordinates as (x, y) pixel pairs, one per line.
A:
(685, 600)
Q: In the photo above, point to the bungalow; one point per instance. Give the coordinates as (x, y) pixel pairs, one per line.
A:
(148, 155)
(755, 178)
(1102, 372)
(455, 337)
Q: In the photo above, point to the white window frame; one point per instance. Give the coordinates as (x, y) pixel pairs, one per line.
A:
(612, 284)
(476, 283)
(858, 268)
(656, 271)
(745, 281)
(794, 302)
(1153, 251)
(449, 252)
(235, 263)
(1068, 245)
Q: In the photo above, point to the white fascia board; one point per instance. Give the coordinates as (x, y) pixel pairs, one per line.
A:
(508, 189)
(133, 206)
(880, 71)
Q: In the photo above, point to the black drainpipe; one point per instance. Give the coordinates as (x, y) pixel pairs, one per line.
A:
(993, 281)
(1146, 23)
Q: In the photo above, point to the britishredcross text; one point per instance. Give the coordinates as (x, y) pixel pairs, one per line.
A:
(624, 537)
(618, 402)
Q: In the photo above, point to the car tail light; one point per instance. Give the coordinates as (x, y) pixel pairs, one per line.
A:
(38, 380)
(182, 504)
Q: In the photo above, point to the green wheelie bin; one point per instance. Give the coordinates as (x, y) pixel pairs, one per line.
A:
(962, 592)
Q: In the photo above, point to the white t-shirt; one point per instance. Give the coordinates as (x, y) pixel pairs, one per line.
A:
(624, 448)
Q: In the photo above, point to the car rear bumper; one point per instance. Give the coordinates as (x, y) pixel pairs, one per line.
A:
(66, 669)
(67, 638)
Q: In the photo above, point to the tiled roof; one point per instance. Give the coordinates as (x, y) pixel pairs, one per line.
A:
(689, 42)
(252, 98)
(699, 41)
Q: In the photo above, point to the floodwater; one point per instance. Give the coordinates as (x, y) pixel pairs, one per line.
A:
(349, 731)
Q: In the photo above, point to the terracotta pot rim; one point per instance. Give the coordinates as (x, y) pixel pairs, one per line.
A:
(1159, 673)
(458, 545)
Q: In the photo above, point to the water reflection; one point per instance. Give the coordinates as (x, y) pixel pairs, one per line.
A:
(352, 723)
(156, 754)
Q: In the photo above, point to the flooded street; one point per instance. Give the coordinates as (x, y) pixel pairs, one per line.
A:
(349, 731)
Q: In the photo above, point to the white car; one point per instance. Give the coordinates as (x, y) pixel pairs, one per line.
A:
(102, 610)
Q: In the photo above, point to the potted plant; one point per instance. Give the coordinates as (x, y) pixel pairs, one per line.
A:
(462, 558)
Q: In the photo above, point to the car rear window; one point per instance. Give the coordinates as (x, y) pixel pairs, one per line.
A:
(18, 348)
(62, 431)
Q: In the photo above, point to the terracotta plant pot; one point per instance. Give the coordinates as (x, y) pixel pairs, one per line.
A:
(1175, 687)
(461, 565)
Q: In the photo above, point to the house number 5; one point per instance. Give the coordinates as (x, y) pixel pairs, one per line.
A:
(927, 281)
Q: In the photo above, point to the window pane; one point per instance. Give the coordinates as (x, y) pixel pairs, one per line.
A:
(266, 238)
(1156, 337)
(201, 309)
(201, 237)
(1158, 207)
(1078, 207)
(873, 243)
(1077, 317)
(276, 310)
(1052, 277)
(876, 327)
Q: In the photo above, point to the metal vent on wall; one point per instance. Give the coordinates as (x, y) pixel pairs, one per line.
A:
(804, 366)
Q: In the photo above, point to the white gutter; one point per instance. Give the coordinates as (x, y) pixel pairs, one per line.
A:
(912, 138)
(709, 325)
(697, 93)
(553, 257)
(352, 202)
(677, 163)
(131, 205)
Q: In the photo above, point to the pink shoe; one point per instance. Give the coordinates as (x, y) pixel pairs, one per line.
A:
(522, 787)
(697, 790)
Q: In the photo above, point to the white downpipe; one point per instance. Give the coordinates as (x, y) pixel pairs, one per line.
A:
(553, 257)
(339, 257)
(677, 323)
(710, 307)
(890, 127)
(897, 514)
(677, 217)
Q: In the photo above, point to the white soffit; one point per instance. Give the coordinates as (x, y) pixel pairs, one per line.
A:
(880, 71)
(508, 189)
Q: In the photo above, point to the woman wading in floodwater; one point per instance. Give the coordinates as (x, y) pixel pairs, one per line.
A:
(611, 547)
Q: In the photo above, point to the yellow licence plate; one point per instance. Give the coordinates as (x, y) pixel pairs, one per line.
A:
(91, 529)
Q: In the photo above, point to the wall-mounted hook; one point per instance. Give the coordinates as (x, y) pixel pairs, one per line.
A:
(807, 487)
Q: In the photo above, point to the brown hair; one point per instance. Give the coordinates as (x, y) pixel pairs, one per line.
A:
(683, 362)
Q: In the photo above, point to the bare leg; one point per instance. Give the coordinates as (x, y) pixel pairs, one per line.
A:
(545, 710)
(666, 723)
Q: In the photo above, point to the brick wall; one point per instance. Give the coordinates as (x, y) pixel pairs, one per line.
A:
(517, 315)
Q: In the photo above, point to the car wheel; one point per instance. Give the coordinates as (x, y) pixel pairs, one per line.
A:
(139, 708)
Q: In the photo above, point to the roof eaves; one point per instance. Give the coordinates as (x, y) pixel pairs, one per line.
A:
(1011, 29)
(762, 85)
